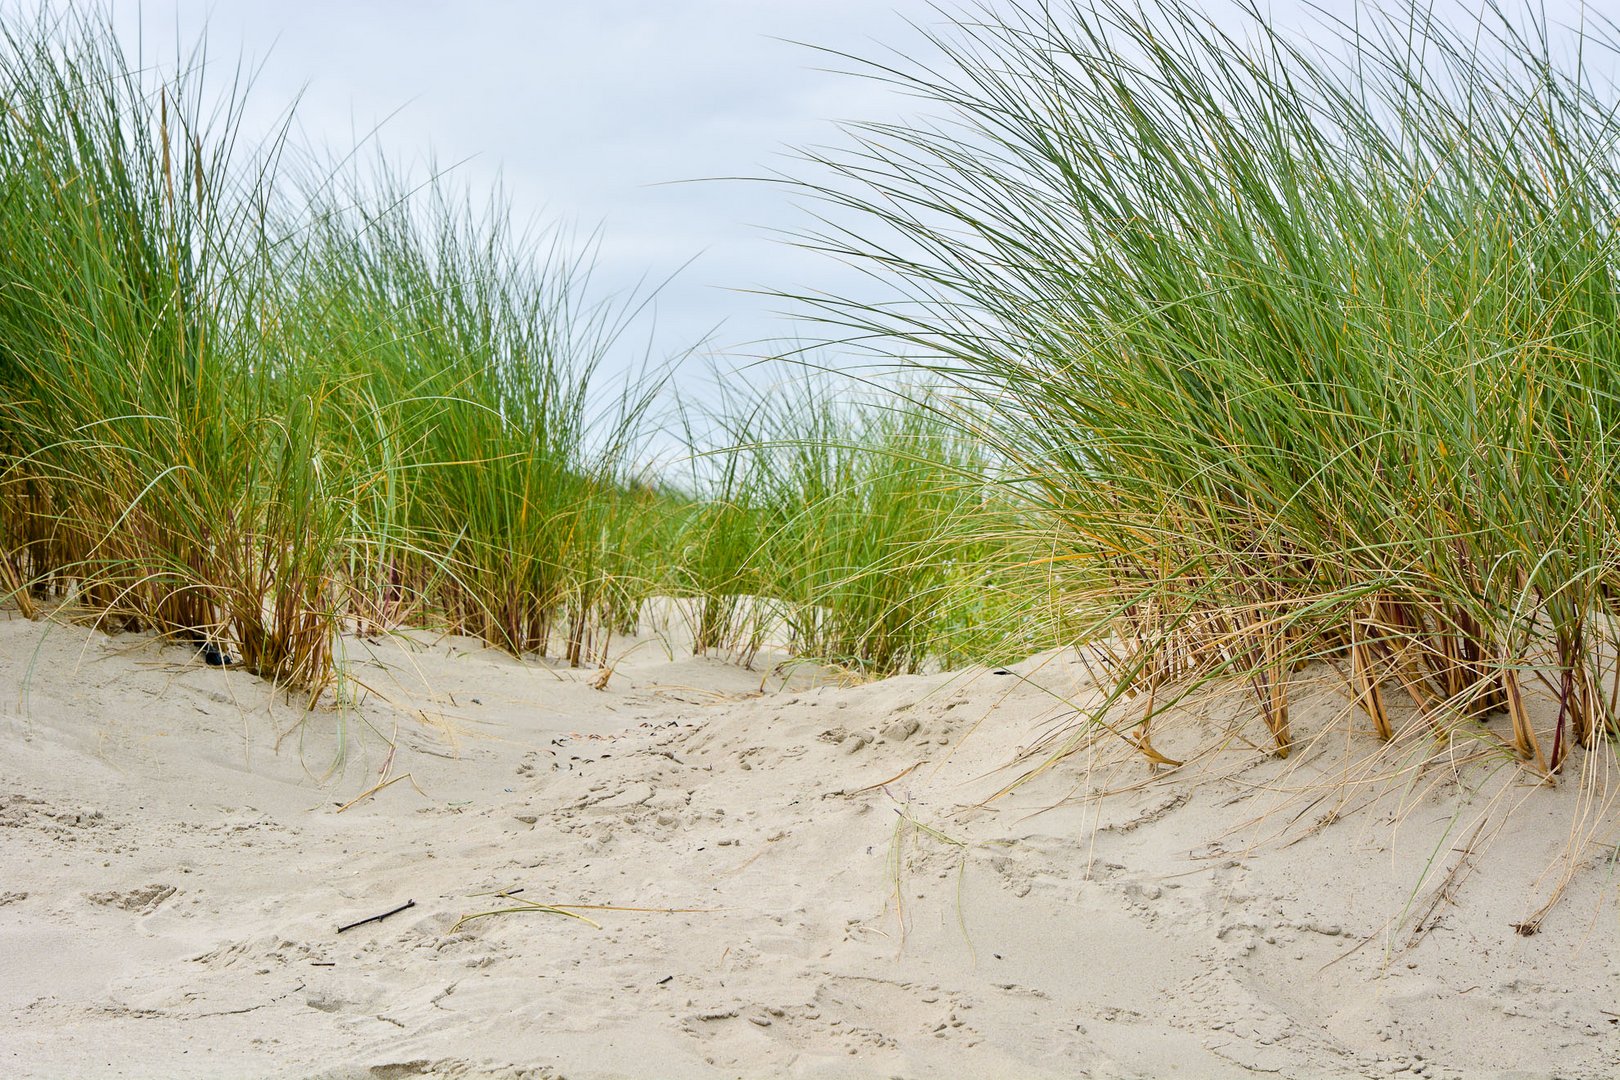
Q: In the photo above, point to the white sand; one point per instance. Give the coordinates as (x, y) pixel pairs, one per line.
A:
(171, 883)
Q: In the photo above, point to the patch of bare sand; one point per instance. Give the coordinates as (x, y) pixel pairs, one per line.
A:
(174, 867)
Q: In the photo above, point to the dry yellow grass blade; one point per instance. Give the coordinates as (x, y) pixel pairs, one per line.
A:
(1524, 734)
(883, 783)
(1369, 695)
(374, 789)
(571, 911)
(25, 603)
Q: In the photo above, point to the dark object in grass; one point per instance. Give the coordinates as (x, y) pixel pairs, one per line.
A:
(212, 654)
(378, 918)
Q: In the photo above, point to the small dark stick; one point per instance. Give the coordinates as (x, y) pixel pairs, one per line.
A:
(378, 918)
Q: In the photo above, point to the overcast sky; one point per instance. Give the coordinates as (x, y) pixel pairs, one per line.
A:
(594, 114)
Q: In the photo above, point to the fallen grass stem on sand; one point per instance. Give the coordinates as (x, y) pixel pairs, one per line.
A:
(906, 821)
(524, 906)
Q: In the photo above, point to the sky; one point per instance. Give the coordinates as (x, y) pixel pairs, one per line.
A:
(612, 117)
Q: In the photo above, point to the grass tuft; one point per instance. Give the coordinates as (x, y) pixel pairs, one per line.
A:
(1302, 354)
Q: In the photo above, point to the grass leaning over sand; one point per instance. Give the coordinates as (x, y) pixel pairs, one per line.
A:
(1236, 358)
(1304, 355)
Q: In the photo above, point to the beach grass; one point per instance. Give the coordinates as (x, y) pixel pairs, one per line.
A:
(248, 407)
(255, 398)
(1302, 352)
(156, 472)
(861, 523)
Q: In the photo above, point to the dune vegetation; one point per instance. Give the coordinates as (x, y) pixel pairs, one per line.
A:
(864, 529)
(252, 402)
(1302, 353)
(1223, 356)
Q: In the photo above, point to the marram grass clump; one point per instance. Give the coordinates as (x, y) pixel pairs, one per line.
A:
(1304, 354)
(157, 467)
(239, 413)
(860, 528)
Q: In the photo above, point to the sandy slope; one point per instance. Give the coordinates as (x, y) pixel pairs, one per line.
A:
(171, 882)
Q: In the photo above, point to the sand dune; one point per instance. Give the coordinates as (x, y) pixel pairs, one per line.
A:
(788, 875)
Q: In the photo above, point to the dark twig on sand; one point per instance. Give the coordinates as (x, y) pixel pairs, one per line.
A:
(378, 918)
